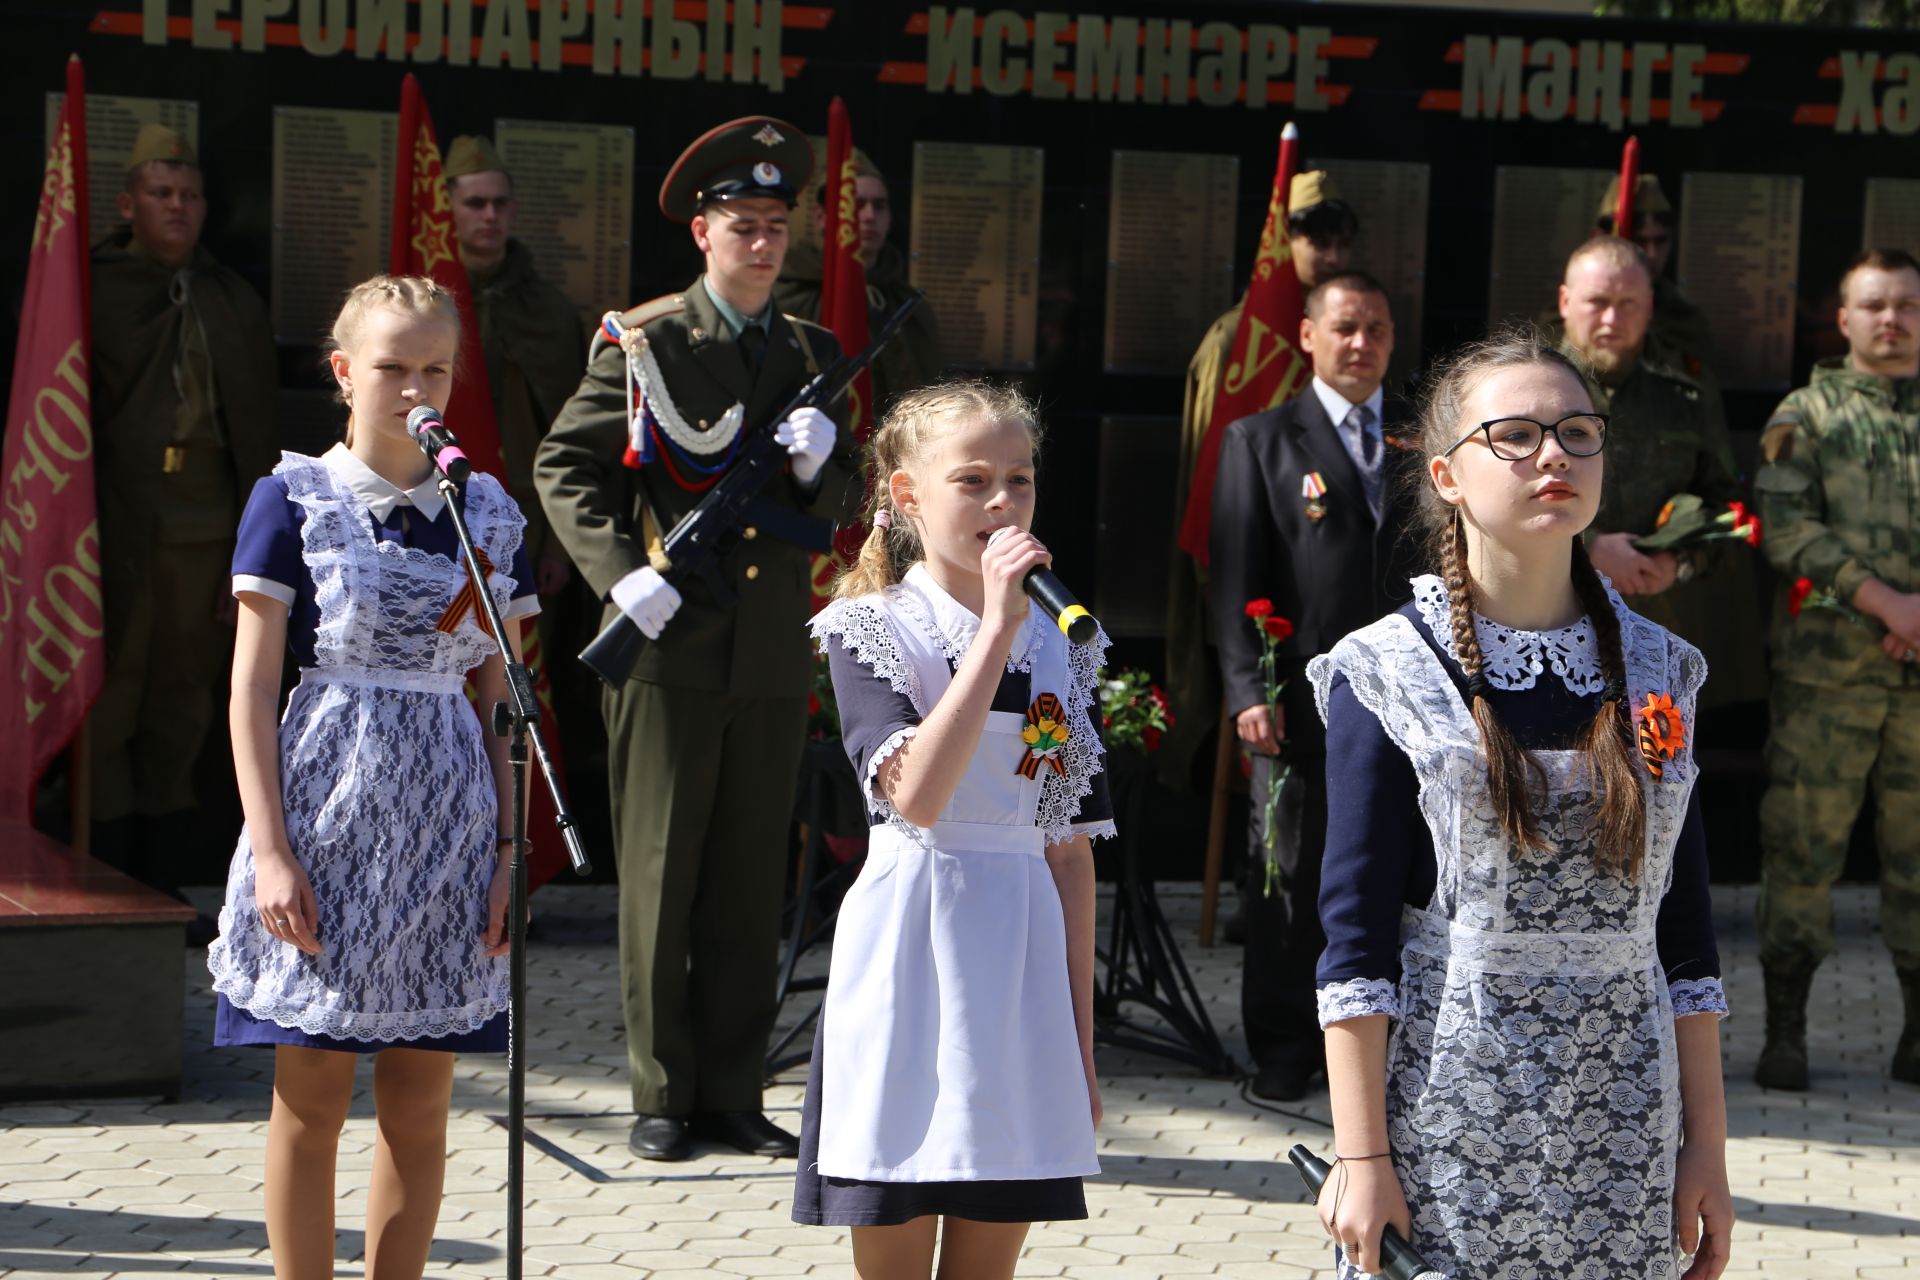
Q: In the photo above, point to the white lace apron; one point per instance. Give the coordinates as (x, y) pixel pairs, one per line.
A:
(386, 787)
(1533, 1093)
(950, 1052)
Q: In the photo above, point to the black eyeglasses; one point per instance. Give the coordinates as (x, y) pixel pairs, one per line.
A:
(1581, 435)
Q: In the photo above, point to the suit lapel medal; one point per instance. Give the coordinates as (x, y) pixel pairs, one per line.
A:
(1046, 737)
(1313, 488)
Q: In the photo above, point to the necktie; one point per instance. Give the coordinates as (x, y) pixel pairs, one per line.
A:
(1360, 426)
(753, 345)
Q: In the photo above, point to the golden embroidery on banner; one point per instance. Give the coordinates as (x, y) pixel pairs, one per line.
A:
(56, 191)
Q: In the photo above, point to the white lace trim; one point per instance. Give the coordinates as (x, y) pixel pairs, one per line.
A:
(952, 623)
(1698, 995)
(1357, 998)
(1091, 830)
(1512, 658)
(1060, 797)
(877, 802)
(865, 632)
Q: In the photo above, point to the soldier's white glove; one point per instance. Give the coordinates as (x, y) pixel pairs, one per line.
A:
(808, 435)
(648, 599)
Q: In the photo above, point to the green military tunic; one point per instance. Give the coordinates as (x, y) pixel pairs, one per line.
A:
(1838, 492)
(705, 739)
(912, 359)
(185, 383)
(1667, 435)
(536, 349)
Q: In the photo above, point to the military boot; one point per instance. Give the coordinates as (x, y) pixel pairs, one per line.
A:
(1906, 1054)
(1783, 1060)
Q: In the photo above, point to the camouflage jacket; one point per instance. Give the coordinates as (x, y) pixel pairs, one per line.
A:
(1840, 496)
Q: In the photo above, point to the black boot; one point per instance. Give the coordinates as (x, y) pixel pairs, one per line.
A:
(1906, 1054)
(1783, 1060)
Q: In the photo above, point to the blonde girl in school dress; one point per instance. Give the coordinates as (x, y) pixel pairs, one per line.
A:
(952, 1095)
(1520, 990)
(367, 900)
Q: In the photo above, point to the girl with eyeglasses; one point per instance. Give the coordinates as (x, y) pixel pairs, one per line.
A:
(1521, 989)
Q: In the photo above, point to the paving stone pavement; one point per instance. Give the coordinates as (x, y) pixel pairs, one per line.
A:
(1195, 1181)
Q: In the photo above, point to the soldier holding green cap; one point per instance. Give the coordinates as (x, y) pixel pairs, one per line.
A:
(704, 739)
(185, 387)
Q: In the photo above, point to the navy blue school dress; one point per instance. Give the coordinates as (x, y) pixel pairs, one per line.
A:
(386, 787)
(1533, 1091)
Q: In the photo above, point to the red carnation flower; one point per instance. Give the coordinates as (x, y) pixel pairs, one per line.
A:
(1279, 630)
(1750, 531)
(1797, 597)
(1259, 608)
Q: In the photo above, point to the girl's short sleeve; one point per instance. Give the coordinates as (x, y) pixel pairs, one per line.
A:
(266, 552)
(526, 594)
(876, 719)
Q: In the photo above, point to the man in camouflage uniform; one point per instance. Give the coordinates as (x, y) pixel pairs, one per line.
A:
(185, 386)
(1679, 330)
(704, 739)
(1838, 492)
(1667, 436)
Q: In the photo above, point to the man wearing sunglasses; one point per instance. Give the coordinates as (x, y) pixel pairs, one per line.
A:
(1667, 436)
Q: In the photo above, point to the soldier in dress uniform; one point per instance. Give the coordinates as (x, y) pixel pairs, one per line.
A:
(532, 333)
(1321, 227)
(912, 359)
(1679, 331)
(185, 385)
(1838, 492)
(705, 738)
(1667, 436)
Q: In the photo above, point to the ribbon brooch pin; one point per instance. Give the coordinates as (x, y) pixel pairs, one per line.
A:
(467, 601)
(1661, 732)
(1313, 487)
(1046, 737)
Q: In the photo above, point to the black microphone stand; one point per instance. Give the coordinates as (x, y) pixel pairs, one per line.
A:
(518, 721)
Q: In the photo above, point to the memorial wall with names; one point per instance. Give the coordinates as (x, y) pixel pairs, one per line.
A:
(976, 248)
(1893, 214)
(332, 210)
(113, 122)
(1390, 199)
(1170, 247)
(1540, 216)
(1739, 261)
(573, 192)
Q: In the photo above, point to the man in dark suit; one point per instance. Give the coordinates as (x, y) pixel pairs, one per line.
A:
(704, 738)
(1310, 512)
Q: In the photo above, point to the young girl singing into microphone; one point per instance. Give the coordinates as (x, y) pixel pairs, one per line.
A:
(952, 1073)
(366, 905)
(1520, 989)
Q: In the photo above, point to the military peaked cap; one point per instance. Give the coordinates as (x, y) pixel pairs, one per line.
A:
(755, 157)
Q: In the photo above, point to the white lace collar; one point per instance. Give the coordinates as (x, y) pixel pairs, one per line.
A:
(956, 625)
(1511, 658)
(379, 493)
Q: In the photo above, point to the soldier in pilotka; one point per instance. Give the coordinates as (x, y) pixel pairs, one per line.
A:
(705, 737)
(1838, 494)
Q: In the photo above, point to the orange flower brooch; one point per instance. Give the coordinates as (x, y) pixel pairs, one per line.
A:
(1661, 732)
(1046, 735)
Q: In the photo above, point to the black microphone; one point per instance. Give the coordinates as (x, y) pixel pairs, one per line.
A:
(1053, 596)
(431, 434)
(1396, 1255)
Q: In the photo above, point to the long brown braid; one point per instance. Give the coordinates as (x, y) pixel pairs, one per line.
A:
(1513, 776)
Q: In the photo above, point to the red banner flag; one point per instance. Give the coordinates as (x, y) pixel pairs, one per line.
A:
(1629, 188)
(424, 244)
(843, 309)
(52, 625)
(1265, 366)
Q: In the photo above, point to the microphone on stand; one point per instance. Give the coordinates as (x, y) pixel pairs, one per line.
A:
(430, 433)
(1053, 596)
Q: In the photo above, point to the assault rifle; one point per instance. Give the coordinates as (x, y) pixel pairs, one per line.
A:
(695, 544)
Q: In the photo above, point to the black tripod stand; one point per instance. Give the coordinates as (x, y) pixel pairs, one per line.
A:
(1142, 959)
(518, 721)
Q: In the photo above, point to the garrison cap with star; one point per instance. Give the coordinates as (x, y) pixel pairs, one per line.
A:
(1647, 198)
(157, 142)
(472, 153)
(752, 157)
(1314, 187)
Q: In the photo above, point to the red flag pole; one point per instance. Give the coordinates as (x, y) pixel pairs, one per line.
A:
(80, 750)
(1629, 184)
(412, 106)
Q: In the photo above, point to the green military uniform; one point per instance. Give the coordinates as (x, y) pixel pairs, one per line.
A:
(705, 738)
(912, 358)
(1838, 492)
(185, 384)
(1668, 435)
